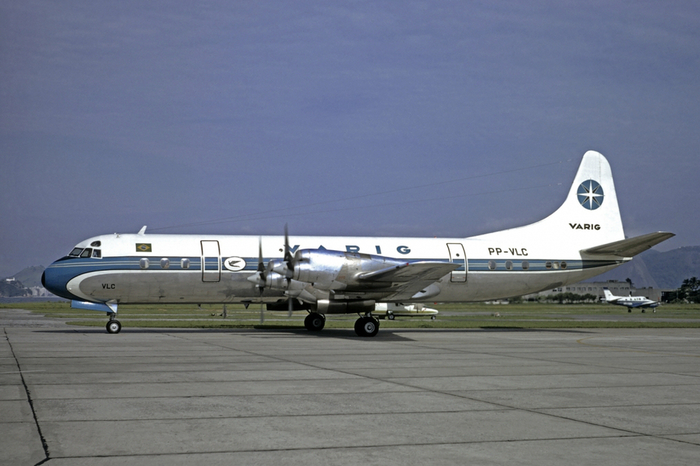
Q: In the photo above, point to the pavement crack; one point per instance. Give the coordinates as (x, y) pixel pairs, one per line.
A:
(44, 444)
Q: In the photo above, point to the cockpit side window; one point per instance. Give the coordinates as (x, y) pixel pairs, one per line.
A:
(97, 253)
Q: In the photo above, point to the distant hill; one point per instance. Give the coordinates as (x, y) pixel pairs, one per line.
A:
(19, 284)
(10, 288)
(665, 270)
(31, 276)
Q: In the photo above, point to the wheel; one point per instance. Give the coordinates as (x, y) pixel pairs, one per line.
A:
(366, 326)
(643, 310)
(315, 322)
(113, 326)
(390, 316)
(432, 317)
(370, 326)
(629, 309)
(358, 327)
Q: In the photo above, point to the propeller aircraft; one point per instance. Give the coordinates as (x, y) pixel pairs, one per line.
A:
(325, 275)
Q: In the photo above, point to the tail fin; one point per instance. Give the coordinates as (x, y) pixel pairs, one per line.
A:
(588, 217)
(588, 222)
(590, 214)
(608, 295)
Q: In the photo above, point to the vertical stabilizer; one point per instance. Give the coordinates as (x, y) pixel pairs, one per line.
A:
(590, 214)
(608, 295)
(588, 217)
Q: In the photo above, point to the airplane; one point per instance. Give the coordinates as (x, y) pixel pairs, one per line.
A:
(392, 310)
(630, 301)
(325, 275)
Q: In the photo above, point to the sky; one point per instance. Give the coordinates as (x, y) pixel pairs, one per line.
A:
(376, 118)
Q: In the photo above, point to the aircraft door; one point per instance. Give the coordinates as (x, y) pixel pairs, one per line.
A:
(458, 256)
(211, 261)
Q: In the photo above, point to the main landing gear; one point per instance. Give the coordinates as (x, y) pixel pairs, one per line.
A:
(315, 322)
(113, 326)
(366, 326)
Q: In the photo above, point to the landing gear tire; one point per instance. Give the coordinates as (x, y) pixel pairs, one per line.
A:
(366, 326)
(315, 322)
(113, 326)
(629, 310)
(390, 316)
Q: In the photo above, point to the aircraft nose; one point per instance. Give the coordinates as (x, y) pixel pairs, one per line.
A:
(55, 281)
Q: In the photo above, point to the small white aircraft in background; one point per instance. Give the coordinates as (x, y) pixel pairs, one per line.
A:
(392, 310)
(346, 275)
(632, 302)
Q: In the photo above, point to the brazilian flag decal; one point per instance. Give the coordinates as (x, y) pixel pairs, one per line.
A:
(143, 247)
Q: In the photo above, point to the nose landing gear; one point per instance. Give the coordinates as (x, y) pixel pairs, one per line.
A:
(113, 326)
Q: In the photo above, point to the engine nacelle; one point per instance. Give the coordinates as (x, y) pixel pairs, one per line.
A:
(276, 281)
(319, 267)
(336, 270)
(325, 306)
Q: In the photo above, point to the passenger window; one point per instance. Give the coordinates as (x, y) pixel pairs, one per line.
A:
(185, 263)
(144, 263)
(87, 252)
(165, 263)
(492, 265)
(548, 265)
(97, 253)
(509, 265)
(563, 265)
(526, 265)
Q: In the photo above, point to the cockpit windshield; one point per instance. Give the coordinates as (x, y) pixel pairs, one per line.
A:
(86, 252)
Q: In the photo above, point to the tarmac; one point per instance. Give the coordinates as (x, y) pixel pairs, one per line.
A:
(79, 396)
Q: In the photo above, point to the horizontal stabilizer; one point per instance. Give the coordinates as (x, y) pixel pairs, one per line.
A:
(631, 246)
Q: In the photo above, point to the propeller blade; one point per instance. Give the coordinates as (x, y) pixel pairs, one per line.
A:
(261, 264)
(287, 253)
(288, 257)
(262, 312)
(291, 307)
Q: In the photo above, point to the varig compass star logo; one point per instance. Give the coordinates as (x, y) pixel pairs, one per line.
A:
(590, 194)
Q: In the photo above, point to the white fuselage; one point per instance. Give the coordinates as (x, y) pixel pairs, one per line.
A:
(215, 269)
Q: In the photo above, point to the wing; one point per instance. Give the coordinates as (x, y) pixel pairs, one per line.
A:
(404, 281)
(629, 247)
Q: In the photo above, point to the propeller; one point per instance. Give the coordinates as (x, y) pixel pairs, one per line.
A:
(259, 279)
(284, 267)
(289, 261)
(288, 258)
